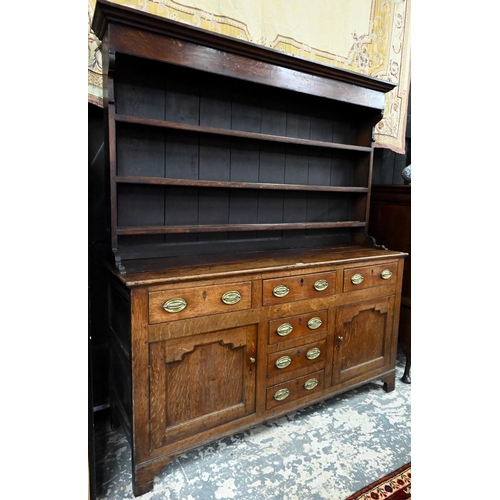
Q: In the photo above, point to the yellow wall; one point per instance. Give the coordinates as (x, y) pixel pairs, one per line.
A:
(367, 36)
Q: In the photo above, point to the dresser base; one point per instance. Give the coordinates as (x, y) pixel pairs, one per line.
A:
(210, 349)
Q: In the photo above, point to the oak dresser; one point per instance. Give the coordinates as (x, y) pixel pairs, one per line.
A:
(242, 282)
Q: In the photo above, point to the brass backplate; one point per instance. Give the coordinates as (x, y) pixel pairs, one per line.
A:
(232, 297)
(321, 285)
(281, 291)
(313, 353)
(314, 323)
(175, 305)
(357, 279)
(284, 329)
(283, 362)
(385, 274)
(311, 384)
(281, 394)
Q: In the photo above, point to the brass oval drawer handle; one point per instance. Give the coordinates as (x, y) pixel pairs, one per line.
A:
(175, 305)
(313, 353)
(321, 285)
(281, 291)
(284, 329)
(281, 394)
(314, 323)
(283, 362)
(385, 274)
(230, 298)
(357, 279)
(311, 384)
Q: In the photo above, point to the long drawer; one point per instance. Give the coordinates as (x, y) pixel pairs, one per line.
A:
(191, 302)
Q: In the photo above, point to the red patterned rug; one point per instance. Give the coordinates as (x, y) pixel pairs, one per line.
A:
(394, 486)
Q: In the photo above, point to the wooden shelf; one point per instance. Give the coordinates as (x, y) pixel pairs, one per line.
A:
(162, 181)
(129, 231)
(236, 133)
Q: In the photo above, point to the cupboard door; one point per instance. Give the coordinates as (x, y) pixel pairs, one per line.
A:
(363, 338)
(200, 382)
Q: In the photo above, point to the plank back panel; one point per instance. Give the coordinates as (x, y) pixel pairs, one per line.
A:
(147, 89)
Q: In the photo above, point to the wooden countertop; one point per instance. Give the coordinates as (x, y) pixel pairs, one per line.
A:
(189, 268)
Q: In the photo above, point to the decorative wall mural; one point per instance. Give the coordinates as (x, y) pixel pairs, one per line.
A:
(371, 37)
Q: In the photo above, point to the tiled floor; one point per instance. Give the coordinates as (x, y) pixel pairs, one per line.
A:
(327, 451)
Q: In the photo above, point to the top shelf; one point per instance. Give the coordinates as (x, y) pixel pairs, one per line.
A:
(237, 134)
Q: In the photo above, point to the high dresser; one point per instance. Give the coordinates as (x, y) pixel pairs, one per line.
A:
(242, 282)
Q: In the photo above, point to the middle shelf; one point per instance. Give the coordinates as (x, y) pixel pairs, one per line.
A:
(162, 181)
(229, 133)
(178, 158)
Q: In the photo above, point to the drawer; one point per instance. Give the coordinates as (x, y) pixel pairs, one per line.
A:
(294, 389)
(297, 326)
(191, 302)
(292, 288)
(358, 278)
(297, 357)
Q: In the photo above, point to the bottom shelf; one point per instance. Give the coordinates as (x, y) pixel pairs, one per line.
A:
(212, 228)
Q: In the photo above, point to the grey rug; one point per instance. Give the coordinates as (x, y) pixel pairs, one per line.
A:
(327, 451)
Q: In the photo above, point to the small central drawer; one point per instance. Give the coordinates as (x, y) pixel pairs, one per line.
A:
(297, 326)
(292, 288)
(358, 278)
(297, 357)
(294, 389)
(191, 302)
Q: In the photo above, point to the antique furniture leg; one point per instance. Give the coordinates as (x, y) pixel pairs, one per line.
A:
(142, 483)
(143, 475)
(406, 376)
(389, 382)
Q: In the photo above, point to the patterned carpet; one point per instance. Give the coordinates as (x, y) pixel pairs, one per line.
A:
(325, 452)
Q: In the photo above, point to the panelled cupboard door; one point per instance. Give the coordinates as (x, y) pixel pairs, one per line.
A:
(200, 382)
(363, 337)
